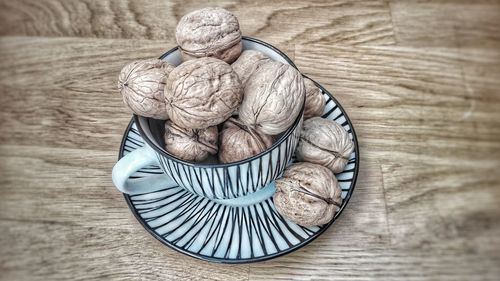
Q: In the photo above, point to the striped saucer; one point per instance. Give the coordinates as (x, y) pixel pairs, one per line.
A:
(206, 230)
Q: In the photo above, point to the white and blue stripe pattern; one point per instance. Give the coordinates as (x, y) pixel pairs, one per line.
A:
(203, 229)
(232, 181)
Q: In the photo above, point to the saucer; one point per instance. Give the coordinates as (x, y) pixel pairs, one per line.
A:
(206, 230)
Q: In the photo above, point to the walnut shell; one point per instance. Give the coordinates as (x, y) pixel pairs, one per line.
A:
(315, 102)
(201, 93)
(308, 194)
(247, 63)
(141, 84)
(209, 32)
(273, 98)
(188, 144)
(324, 142)
(237, 142)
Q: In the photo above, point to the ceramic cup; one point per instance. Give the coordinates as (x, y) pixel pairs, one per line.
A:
(239, 183)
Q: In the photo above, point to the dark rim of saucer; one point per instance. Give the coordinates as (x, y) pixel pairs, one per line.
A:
(277, 143)
(264, 258)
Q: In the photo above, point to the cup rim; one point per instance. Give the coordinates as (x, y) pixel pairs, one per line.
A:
(277, 143)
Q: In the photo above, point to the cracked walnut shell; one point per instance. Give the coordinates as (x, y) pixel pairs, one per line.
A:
(308, 194)
(201, 93)
(273, 98)
(209, 32)
(324, 142)
(188, 144)
(141, 84)
(238, 142)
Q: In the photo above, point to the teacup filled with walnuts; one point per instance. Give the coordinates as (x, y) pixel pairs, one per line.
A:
(224, 116)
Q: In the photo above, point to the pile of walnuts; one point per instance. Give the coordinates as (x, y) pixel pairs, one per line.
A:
(233, 103)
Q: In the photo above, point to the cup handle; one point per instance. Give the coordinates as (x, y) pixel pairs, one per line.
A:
(133, 162)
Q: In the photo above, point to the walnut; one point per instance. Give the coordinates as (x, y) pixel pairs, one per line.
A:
(201, 93)
(209, 32)
(248, 62)
(238, 141)
(273, 98)
(308, 194)
(190, 145)
(141, 84)
(315, 102)
(324, 142)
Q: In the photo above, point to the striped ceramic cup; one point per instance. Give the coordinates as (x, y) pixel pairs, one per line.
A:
(235, 183)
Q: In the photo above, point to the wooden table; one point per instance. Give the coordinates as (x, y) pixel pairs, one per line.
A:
(420, 81)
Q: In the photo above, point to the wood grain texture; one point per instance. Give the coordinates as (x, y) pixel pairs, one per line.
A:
(419, 79)
(446, 23)
(347, 22)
